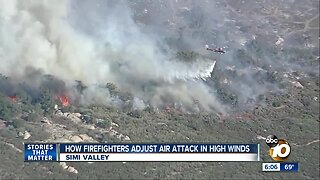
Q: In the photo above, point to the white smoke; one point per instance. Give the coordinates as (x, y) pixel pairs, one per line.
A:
(75, 40)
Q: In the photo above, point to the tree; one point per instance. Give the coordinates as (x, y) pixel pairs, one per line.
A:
(112, 88)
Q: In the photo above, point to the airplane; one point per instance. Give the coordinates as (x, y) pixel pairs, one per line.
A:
(218, 50)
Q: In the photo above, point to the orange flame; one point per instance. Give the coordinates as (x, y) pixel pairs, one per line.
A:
(64, 100)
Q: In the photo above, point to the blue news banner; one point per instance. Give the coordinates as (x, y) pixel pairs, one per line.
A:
(141, 152)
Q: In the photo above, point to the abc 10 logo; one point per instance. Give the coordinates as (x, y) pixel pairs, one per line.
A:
(279, 149)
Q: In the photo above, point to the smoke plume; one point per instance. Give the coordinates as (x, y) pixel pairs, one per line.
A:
(153, 50)
(98, 42)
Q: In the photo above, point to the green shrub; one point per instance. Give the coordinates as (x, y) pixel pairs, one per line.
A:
(7, 109)
(102, 123)
(16, 123)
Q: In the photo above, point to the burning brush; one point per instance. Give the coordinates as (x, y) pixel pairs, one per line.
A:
(13, 98)
(64, 100)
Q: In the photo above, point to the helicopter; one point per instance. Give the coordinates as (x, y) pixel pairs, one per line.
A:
(217, 50)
